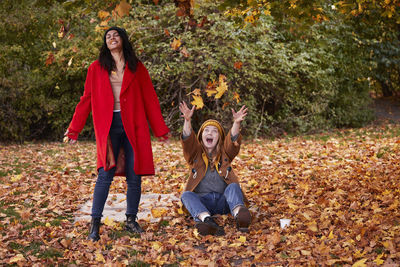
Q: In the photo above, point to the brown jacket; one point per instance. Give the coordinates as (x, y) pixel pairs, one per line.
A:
(197, 160)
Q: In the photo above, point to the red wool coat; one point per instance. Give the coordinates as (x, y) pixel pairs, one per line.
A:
(139, 106)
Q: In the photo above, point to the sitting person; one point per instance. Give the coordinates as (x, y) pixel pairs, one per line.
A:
(212, 186)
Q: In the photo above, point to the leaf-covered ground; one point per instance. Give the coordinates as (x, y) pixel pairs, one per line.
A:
(341, 190)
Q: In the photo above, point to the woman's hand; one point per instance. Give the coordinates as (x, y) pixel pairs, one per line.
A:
(186, 112)
(67, 139)
(164, 138)
(240, 115)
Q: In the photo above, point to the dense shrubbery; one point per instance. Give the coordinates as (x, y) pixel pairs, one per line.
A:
(291, 83)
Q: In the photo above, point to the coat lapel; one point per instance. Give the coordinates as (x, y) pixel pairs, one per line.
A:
(127, 79)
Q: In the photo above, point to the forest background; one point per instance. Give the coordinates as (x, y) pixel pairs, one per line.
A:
(300, 66)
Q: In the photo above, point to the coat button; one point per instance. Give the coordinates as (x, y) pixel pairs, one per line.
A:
(124, 99)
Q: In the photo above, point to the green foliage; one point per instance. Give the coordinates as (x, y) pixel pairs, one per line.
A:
(293, 80)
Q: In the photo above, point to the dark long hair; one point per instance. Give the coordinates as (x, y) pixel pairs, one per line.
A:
(105, 57)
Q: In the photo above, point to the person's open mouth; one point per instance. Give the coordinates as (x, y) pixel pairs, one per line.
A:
(209, 140)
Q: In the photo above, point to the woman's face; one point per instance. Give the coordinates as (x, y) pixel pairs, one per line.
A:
(113, 41)
(210, 137)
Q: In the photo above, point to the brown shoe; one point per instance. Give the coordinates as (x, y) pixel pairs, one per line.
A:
(209, 227)
(243, 219)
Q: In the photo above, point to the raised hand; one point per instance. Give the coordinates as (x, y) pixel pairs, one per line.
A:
(186, 112)
(240, 115)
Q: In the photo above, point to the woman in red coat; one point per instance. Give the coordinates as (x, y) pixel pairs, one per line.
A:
(120, 95)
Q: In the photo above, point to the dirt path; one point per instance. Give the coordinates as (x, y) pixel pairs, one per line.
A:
(387, 110)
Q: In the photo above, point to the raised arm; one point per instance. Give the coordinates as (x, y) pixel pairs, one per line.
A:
(187, 114)
(238, 117)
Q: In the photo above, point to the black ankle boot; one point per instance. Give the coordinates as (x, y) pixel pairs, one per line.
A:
(94, 229)
(132, 226)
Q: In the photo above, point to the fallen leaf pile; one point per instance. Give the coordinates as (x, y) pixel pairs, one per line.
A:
(340, 190)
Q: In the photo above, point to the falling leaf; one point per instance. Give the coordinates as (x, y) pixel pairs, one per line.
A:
(70, 61)
(184, 52)
(166, 31)
(61, 32)
(225, 105)
(197, 102)
(50, 59)
(211, 92)
(237, 65)
(236, 97)
(103, 14)
(122, 9)
(195, 92)
(222, 87)
(176, 43)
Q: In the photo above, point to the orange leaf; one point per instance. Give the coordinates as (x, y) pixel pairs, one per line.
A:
(225, 105)
(103, 14)
(50, 59)
(236, 97)
(238, 65)
(122, 9)
(166, 31)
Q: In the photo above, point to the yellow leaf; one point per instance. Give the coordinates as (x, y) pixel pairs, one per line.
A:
(156, 245)
(313, 226)
(180, 211)
(103, 14)
(196, 234)
(331, 235)
(378, 259)
(211, 92)
(122, 9)
(176, 43)
(195, 92)
(16, 178)
(158, 212)
(222, 87)
(109, 222)
(99, 257)
(305, 252)
(360, 263)
(233, 245)
(197, 102)
(48, 224)
(16, 258)
(358, 254)
(242, 239)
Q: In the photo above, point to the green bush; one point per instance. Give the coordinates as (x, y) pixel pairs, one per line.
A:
(290, 82)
